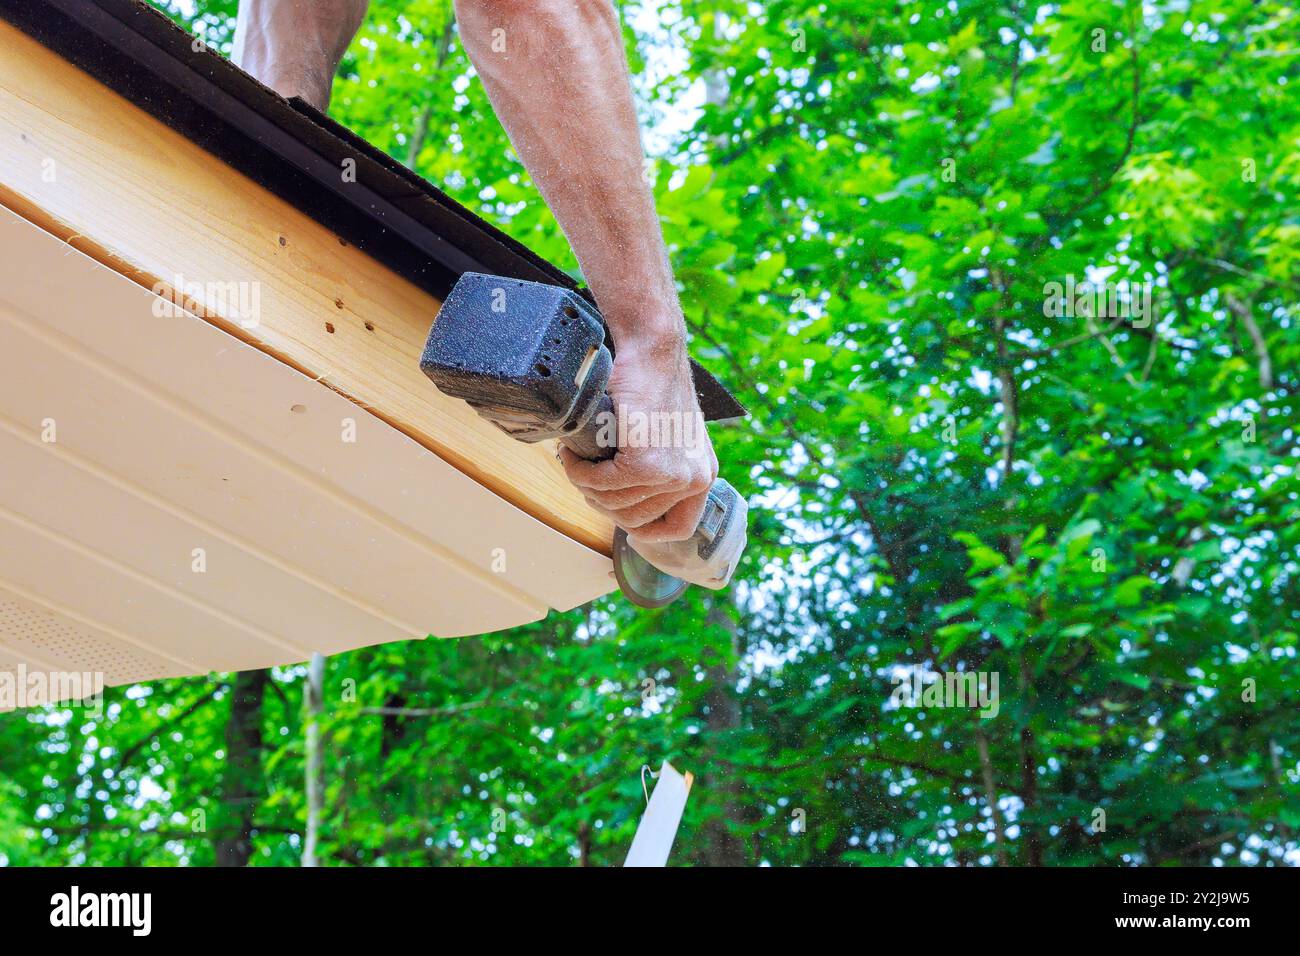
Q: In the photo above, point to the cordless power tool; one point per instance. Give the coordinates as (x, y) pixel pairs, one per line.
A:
(531, 358)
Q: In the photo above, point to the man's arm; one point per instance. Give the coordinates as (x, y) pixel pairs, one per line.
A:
(294, 46)
(557, 77)
(561, 89)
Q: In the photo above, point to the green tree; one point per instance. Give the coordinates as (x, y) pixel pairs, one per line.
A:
(869, 206)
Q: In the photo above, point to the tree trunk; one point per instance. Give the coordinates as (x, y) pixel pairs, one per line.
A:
(584, 843)
(1029, 780)
(242, 784)
(991, 796)
(723, 847)
(314, 695)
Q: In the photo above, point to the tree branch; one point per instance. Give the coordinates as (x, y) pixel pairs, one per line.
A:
(125, 757)
(1243, 312)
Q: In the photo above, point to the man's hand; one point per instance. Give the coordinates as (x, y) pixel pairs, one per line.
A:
(657, 484)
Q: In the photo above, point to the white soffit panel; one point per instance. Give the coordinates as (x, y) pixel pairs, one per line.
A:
(174, 501)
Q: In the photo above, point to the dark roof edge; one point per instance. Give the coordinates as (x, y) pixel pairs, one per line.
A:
(293, 150)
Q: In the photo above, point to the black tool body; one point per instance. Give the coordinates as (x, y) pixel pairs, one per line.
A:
(528, 357)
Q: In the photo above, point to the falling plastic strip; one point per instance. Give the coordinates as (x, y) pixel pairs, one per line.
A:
(658, 829)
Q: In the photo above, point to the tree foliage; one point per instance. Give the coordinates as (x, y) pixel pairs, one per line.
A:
(949, 468)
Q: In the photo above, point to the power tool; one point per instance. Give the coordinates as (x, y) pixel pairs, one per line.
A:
(532, 359)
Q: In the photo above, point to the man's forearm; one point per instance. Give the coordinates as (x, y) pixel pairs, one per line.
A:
(557, 77)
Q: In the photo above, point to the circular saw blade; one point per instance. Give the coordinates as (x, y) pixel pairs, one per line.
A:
(638, 579)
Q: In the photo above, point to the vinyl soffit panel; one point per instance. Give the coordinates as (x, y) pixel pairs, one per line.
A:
(87, 166)
(175, 501)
